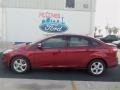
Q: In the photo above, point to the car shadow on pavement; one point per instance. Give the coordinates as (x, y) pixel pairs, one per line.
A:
(111, 75)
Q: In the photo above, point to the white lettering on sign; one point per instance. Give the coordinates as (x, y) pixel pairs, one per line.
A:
(53, 28)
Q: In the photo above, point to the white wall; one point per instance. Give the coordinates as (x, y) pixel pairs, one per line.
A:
(23, 24)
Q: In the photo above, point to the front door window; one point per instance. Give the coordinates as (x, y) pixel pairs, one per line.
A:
(55, 42)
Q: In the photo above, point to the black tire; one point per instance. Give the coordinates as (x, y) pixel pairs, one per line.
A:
(20, 65)
(95, 69)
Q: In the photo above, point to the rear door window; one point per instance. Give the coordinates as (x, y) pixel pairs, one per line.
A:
(76, 41)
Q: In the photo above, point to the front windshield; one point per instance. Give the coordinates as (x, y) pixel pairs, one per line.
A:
(38, 40)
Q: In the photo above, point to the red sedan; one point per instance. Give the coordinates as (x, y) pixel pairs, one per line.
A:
(62, 51)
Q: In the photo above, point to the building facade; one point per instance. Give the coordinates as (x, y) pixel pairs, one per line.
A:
(22, 16)
(80, 5)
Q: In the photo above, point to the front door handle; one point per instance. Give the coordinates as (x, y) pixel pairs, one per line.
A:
(56, 52)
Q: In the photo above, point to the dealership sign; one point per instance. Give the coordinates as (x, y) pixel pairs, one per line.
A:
(52, 22)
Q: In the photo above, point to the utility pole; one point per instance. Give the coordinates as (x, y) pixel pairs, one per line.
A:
(0, 20)
(3, 25)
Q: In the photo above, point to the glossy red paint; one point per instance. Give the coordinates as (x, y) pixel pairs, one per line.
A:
(64, 57)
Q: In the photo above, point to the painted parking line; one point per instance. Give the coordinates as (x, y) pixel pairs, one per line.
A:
(73, 85)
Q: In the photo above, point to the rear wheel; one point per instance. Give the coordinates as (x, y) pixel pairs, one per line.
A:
(96, 67)
(20, 65)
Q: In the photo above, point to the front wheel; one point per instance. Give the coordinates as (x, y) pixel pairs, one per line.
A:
(20, 65)
(96, 67)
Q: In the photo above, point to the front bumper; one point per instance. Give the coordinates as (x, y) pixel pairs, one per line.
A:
(6, 59)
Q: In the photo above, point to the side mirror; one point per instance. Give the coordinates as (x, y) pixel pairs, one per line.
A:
(39, 45)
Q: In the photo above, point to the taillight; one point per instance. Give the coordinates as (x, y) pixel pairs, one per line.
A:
(113, 49)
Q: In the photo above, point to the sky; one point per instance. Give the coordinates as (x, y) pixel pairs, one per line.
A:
(107, 13)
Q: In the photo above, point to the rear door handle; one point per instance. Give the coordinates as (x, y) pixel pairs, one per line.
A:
(56, 52)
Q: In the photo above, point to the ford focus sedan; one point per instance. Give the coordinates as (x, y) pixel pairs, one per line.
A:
(62, 51)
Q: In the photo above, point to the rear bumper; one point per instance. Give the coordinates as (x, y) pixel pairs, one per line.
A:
(113, 63)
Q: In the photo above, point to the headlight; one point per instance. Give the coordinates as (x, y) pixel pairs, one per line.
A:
(7, 51)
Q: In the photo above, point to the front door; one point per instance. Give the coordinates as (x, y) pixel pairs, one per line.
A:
(51, 53)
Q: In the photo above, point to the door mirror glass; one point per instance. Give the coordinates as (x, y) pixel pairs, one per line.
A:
(39, 45)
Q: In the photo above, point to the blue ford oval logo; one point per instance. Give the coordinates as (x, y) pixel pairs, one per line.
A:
(53, 25)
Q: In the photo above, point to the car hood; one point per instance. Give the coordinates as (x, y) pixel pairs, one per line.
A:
(21, 46)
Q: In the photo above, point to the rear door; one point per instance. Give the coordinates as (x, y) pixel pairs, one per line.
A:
(77, 51)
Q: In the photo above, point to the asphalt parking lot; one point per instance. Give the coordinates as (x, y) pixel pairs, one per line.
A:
(59, 80)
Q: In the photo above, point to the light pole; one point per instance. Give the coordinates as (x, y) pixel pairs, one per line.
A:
(3, 21)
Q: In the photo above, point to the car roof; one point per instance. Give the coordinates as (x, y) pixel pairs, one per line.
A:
(70, 35)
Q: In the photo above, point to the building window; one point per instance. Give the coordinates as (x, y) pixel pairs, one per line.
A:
(70, 3)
